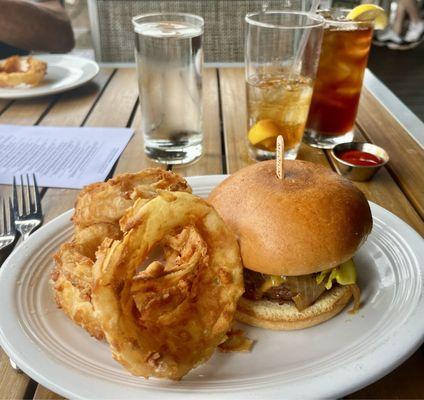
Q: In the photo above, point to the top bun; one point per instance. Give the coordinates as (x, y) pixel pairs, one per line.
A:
(311, 220)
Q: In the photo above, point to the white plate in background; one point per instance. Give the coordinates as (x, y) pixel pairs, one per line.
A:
(64, 72)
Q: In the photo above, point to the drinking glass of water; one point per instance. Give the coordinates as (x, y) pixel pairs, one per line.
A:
(169, 57)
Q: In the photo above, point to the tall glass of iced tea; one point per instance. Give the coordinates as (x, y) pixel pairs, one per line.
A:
(344, 56)
(281, 59)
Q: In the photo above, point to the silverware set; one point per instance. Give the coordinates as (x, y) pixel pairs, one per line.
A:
(23, 215)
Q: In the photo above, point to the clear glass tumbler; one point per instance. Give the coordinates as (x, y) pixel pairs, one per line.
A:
(281, 59)
(344, 56)
(169, 56)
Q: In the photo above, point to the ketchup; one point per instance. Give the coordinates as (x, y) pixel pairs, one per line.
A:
(362, 158)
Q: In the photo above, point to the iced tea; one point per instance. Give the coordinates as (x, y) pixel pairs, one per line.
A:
(277, 105)
(281, 60)
(338, 83)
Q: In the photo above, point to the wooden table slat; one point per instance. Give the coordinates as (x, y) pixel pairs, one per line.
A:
(12, 384)
(72, 108)
(42, 393)
(4, 104)
(211, 161)
(406, 157)
(385, 192)
(117, 102)
(233, 106)
(26, 112)
(133, 158)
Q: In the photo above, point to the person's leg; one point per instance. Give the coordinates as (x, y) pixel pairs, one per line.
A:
(411, 8)
(399, 18)
(415, 33)
(390, 37)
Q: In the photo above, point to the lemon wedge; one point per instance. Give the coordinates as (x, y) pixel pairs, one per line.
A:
(269, 144)
(369, 12)
(262, 133)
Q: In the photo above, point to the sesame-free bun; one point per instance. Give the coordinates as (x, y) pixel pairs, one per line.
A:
(311, 220)
(271, 315)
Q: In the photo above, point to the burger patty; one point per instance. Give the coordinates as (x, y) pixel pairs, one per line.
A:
(302, 290)
(253, 281)
(279, 293)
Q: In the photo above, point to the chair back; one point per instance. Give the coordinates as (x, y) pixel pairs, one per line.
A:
(223, 40)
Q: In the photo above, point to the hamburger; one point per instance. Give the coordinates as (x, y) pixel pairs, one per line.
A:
(297, 237)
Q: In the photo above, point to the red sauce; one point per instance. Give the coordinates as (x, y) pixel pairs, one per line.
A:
(362, 158)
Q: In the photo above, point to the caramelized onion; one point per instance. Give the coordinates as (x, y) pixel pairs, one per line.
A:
(356, 293)
(306, 288)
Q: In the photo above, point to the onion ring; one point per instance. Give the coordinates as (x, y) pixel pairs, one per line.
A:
(15, 71)
(169, 318)
(97, 212)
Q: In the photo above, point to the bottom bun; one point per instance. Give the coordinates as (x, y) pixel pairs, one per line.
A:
(285, 317)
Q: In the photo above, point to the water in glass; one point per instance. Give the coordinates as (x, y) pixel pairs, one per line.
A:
(169, 64)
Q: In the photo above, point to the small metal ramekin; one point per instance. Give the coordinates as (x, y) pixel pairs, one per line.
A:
(354, 172)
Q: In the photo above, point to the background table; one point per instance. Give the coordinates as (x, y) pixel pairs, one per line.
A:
(111, 100)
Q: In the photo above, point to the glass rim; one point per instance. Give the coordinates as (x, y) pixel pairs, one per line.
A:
(137, 23)
(319, 20)
(335, 22)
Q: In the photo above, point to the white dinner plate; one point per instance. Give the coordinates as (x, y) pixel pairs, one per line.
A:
(329, 360)
(64, 72)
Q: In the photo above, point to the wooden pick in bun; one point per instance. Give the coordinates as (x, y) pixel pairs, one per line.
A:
(291, 230)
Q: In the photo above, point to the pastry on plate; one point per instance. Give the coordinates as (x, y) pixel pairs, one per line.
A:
(18, 71)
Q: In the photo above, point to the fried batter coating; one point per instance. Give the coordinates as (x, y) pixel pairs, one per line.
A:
(169, 318)
(90, 237)
(97, 212)
(107, 202)
(72, 275)
(15, 71)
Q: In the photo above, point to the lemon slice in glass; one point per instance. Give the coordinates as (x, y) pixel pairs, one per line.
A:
(263, 134)
(369, 12)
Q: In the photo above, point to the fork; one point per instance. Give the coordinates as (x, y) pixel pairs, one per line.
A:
(7, 237)
(7, 230)
(28, 215)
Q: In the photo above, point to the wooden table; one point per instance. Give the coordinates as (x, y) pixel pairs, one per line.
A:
(111, 100)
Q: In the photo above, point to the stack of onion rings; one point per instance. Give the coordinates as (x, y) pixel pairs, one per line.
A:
(164, 317)
(170, 317)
